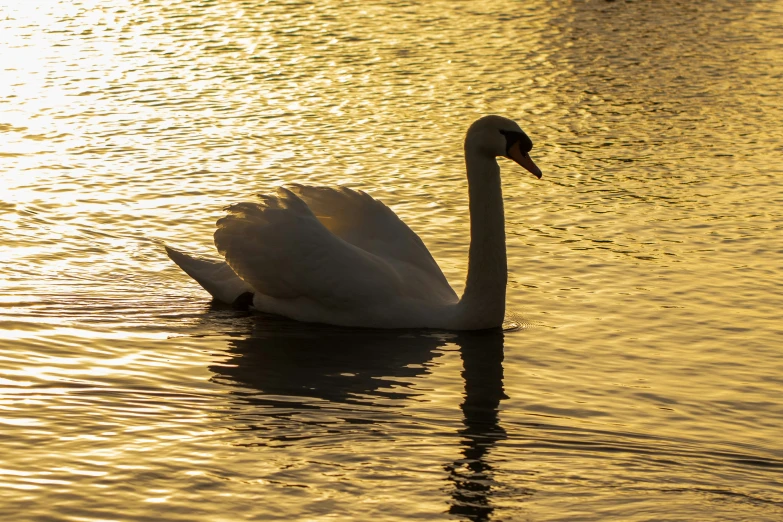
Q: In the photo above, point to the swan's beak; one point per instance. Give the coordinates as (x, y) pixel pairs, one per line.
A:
(523, 159)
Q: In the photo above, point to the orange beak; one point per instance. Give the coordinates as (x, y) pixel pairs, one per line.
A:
(523, 158)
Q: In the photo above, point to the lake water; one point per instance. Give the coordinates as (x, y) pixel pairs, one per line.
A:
(646, 382)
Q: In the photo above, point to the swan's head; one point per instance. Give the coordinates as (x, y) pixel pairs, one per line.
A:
(498, 136)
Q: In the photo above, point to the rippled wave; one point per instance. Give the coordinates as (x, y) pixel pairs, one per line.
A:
(639, 376)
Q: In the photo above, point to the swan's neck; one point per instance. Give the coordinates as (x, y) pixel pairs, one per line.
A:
(484, 301)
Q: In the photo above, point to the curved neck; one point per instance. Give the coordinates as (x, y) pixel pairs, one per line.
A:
(484, 300)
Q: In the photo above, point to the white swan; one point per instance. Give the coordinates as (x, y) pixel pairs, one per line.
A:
(338, 256)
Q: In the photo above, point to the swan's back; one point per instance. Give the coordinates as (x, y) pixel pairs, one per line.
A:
(321, 254)
(365, 222)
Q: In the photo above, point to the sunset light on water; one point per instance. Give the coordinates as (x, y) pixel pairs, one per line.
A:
(644, 375)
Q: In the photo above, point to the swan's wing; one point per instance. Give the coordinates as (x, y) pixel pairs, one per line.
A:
(282, 250)
(216, 277)
(361, 220)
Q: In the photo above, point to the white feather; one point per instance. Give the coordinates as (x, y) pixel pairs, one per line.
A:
(216, 277)
(338, 256)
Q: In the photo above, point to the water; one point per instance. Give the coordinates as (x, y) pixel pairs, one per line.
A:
(645, 267)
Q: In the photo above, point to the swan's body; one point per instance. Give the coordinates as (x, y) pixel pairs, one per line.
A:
(338, 256)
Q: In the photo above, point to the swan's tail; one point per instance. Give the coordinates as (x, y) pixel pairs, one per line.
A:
(216, 277)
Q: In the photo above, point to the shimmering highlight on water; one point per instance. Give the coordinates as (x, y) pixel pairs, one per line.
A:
(645, 381)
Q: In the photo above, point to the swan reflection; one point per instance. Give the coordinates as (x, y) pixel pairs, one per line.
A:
(283, 359)
(291, 369)
(473, 476)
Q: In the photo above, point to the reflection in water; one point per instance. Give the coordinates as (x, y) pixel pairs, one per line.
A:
(651, 252)
(280, 359)
(284, 358)
(482, 359)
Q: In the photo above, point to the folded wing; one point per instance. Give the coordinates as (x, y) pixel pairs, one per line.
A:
(368, 224)
(283, 251)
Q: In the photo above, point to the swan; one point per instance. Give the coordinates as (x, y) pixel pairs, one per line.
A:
(340, 257)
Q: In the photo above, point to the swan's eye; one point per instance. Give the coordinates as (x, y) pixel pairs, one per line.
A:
(512, 137)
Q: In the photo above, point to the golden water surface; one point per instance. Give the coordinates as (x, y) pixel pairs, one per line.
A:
(645, 266)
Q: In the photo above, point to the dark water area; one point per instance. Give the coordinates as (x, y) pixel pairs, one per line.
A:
(643, 383)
